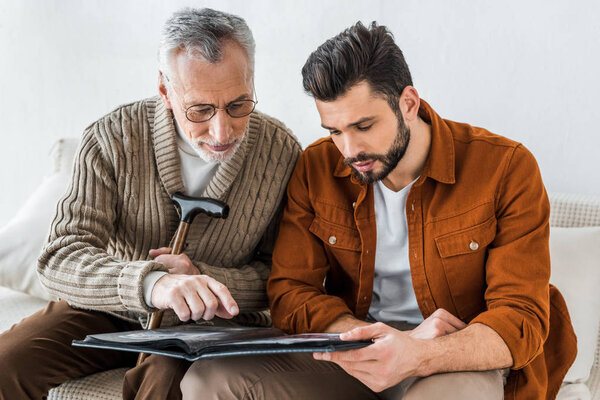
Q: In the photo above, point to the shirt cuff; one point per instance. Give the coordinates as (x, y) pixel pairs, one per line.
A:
(148, 284)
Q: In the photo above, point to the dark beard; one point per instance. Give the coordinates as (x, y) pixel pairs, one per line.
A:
(389, 160)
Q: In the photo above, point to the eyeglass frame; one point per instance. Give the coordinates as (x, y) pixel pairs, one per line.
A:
(215, 108)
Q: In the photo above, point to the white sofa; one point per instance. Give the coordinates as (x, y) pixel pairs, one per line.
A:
(575, 251)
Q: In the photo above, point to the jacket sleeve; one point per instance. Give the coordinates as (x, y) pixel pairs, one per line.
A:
(297, 296)
(518, 263)
(74, 264)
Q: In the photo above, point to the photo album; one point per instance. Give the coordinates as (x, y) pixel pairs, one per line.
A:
(195, 341)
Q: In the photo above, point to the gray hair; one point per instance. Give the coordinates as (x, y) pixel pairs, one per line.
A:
(201, 34)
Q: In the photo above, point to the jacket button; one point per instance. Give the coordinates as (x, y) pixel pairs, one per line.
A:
(332, 240)
(473, 245)
(353, 204)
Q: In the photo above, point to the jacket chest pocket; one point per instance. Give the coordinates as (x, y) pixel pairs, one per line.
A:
(342, 246)
(335, 237)
(463, 254)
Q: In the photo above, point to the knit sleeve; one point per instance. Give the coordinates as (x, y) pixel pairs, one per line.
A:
(74, 264)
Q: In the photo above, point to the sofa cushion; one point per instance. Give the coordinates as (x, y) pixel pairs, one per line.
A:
(105, 385)
(21, 240)
(575, 255)
(574, 391)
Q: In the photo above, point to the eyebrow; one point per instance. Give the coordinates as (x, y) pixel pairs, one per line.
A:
(244, 96)
(360, 121)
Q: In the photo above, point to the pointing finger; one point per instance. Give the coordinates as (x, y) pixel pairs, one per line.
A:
(224, 297)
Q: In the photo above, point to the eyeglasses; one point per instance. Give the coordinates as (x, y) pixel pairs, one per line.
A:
(204, 112)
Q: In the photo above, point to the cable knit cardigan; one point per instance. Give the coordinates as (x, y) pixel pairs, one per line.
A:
(118, 207)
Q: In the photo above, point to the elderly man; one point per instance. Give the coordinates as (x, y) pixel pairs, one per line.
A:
(106, 258)
(427, 236)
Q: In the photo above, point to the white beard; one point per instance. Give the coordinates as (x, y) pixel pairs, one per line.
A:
(214, 156)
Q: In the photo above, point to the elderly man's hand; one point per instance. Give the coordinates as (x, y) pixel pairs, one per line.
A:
(393, 356)
(196, 297)
(176, 264)
(440, 323)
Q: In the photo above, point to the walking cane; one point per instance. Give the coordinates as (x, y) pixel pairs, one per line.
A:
(188, 207)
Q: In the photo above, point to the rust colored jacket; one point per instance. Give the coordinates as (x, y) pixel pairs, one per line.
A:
(478, 241)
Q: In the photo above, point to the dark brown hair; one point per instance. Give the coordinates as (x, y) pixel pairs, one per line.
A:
(355, 55)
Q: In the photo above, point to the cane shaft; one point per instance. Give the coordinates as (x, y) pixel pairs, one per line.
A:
(177, 247)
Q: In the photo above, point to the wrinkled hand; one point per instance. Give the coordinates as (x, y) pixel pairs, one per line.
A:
(196, 297)
(393, 356)
(440, 323)
(176, 264)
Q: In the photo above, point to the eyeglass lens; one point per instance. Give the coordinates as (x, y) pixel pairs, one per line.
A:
(204, 112)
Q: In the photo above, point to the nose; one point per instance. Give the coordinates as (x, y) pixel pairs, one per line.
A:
(220, 127)
(350, 147)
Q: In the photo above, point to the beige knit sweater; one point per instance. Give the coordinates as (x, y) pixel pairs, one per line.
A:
(118, 207)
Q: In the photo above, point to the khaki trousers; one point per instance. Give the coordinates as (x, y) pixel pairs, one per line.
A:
(36, 355)
(299, 376)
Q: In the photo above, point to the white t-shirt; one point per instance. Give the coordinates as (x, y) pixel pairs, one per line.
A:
(393, 294)
(196, 174)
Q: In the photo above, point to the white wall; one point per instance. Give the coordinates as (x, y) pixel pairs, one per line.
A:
(524, 69)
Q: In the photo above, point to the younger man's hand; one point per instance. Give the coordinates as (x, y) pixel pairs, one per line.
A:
(440, 323)
(392, 357)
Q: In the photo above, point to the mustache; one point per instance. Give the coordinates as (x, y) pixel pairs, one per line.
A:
(210, 142)
(364, 157)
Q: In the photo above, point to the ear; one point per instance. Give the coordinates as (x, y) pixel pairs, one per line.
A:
(409, 103)
(162, 91)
